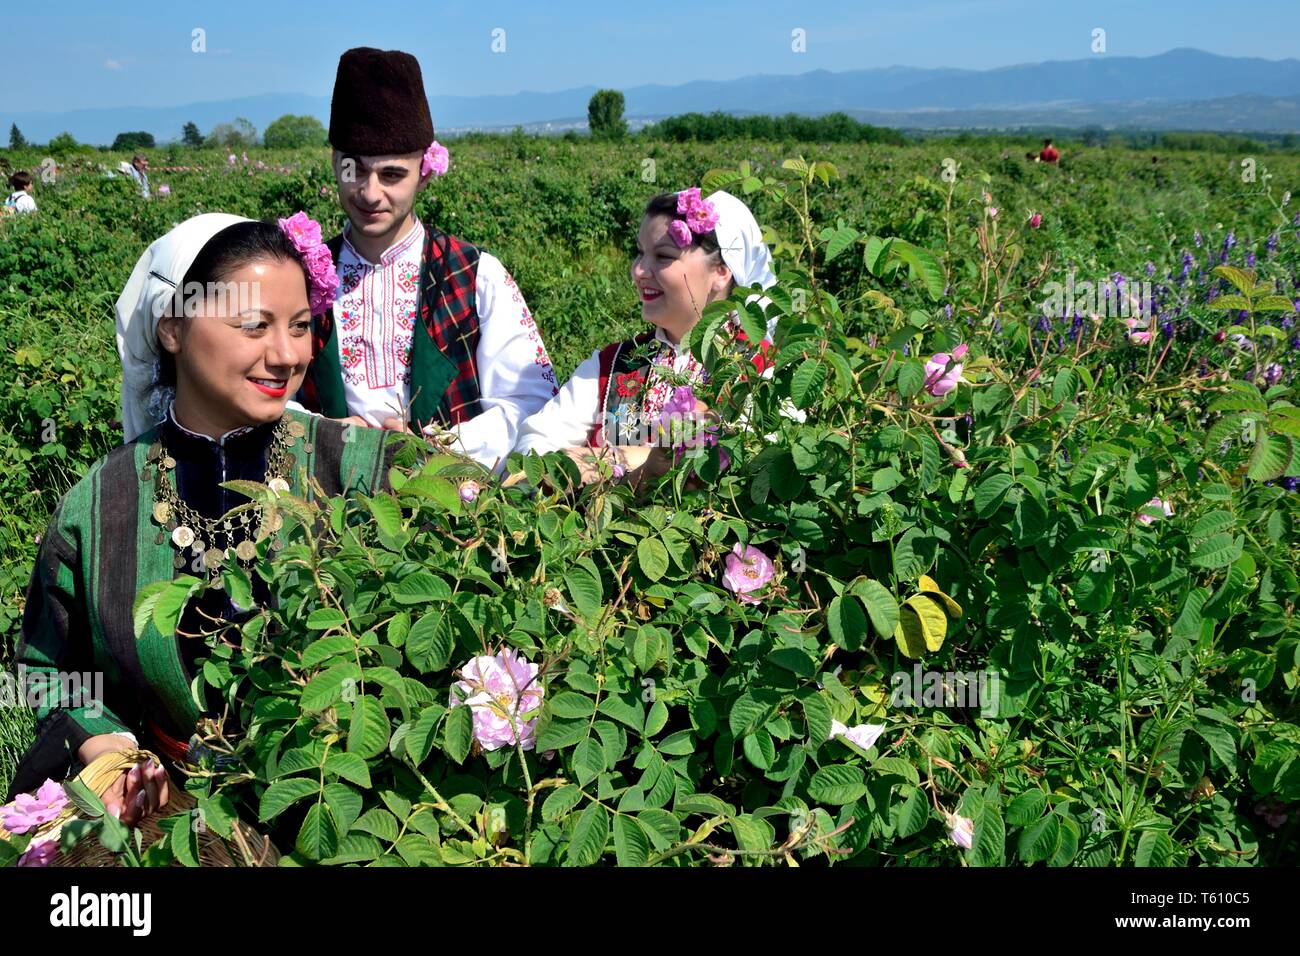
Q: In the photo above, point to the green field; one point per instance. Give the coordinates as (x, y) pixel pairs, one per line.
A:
(1125, 700)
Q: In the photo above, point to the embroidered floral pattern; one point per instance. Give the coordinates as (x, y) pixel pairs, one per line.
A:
(378, 308)
(629, 384)
(541, 359)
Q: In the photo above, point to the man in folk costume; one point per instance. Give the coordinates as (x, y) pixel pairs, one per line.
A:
(428, 331)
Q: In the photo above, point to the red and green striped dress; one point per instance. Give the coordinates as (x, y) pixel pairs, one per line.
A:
(101, 547)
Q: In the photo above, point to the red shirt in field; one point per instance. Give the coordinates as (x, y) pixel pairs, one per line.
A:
(1049, 154)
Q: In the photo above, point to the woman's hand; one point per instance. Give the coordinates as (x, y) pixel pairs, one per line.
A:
(135, 793)
(352, 420)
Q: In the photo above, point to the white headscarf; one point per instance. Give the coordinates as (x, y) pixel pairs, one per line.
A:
(743, 249)
(144, 301)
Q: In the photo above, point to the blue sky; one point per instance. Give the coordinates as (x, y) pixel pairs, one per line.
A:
(84, 55)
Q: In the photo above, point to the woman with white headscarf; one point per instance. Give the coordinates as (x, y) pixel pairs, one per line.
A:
(215, 325)
(691, 251)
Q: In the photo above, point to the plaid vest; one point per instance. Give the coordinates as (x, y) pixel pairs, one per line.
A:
(444, 370)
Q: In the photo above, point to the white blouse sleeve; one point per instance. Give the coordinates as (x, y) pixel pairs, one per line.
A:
(514, 370)
(567, 419)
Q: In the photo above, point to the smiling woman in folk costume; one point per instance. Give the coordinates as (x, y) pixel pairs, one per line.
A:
(423, 319)
(153, 508)
(690, 251)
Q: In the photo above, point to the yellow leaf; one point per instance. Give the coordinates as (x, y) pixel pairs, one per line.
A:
(929, 586)
(934, 623)
(908, 634)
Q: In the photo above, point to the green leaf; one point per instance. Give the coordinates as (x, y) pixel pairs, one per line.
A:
(1217, 551)
(568, 704)
(589, 836)
(631, 844)
(319, 837)
(837, 784)
(280, 795)
(459, 733)
(429, 643)
(1026, 808)
(1228, 303)
(320, 651)
(420, 739)
(846, 622)
(881, 606)
(324, 618)
(988, 847)
(1243, 280)
(1139, 480)
(369, 728)
(588, 760)
(560, 802)
(759, 749)
(387, 513)
(653, 558)
(838, 239)
(1154, 848)
(421, 588)
(350, 767)
(585, 590)
(1270, 458)
(1039, 842)
(807, 383)
(924, 265)
(991, 492)
(911, 376)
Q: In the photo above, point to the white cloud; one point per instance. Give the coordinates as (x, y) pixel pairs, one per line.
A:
(112, 64)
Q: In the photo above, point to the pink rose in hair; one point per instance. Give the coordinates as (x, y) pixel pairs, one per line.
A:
(687, 198)
(435, 160)
(680, 233)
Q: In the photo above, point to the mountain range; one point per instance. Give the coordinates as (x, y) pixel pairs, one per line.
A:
(1180, 89)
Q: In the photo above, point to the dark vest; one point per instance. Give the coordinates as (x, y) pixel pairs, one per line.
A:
(444, 370)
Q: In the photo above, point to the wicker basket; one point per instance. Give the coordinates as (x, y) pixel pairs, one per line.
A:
(246, 848)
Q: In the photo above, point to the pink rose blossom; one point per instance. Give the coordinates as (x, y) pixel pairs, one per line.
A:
(680, 233)
(1035, 221)
(1155, 503)
(469, 490)
(435, 160)
(28, 812)
(232, 159)
(747, 570)
(244, 157)
(943, 371)
(864, 735)
(687, 198)
(702, 217)
(1135, 336)
(164, 190)
(961, 831)
(501, 691)
(993, 212)
(40, 852)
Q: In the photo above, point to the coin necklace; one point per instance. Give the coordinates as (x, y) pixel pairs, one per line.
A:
(214, 541)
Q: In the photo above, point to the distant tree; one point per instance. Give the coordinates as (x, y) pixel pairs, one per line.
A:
(605, 115)
(291, 132)
(136, 140)
(16, 138)
(63, 143)
(240, 133)
(191, 136)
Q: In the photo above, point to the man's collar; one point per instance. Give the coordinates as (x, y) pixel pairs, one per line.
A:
(416, 235)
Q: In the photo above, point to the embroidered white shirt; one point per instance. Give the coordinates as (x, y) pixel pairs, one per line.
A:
(376, 313)
(567, 419)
